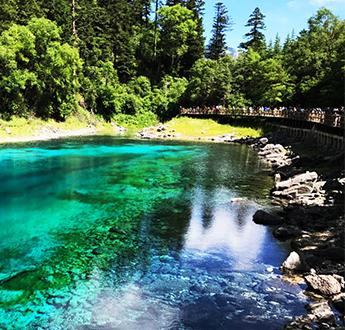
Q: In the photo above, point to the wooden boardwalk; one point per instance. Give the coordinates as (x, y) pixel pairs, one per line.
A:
(330, 117)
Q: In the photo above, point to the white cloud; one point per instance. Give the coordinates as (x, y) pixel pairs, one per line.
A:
(294, 4)
(327, 2)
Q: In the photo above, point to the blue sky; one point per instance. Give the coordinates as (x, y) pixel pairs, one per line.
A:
(282, 16)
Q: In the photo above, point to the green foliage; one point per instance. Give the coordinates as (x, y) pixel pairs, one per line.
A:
(105, 95)
(140, 120)
(211, 82)
(264, 81)
(178, 25)
(316, 61)
(166, 98)
(101, 88)
(38, 72)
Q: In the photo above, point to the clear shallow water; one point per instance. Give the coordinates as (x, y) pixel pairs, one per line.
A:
(104, 233)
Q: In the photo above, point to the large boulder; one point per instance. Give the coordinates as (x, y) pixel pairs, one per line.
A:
(262, 217)
(272, 148)
(327, 285)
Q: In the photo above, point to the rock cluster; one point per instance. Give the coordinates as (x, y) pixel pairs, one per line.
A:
(164, 132)
(275, 154)
(157, 132)
(290, 188)
(312, 219)
(303, 189)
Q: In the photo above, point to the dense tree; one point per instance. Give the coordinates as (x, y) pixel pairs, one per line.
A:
(256, 39)
(37, 71)
(167, 96)
(125, 64)
(178, 25)
(217, 46)
(211, 82)
(264, 81)
(316, 60)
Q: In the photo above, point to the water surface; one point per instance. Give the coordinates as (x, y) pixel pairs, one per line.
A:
(106, 233)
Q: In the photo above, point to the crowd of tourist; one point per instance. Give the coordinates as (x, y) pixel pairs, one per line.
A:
(329, 116)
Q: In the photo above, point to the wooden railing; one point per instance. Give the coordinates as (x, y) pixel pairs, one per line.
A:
(328, 117)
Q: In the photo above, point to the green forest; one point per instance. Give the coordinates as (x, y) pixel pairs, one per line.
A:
(139, 60)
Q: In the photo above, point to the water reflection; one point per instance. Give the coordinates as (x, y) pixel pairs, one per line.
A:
(230, 230)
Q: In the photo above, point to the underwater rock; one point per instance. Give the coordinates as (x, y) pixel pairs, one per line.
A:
(97, 251)
(13, 276)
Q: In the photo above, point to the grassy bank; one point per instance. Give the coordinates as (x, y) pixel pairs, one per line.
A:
(19, 129)
(191, 128)
(26, 129)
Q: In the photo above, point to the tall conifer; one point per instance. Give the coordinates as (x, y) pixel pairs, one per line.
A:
(256, 38)
(217, 46)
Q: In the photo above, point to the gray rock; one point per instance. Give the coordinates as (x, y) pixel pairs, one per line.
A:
(264, 218)
(297, 179)
(327, 285)
(294, 263)
(263, 140)
(321, 311)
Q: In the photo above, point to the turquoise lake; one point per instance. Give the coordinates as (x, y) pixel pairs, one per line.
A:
(108, 233)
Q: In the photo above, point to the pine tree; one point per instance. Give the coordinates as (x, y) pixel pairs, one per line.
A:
(277, 47)
(196, 45)
(256, 37)
(217, 46)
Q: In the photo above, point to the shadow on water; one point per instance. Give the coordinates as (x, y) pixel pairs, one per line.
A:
(138, 235)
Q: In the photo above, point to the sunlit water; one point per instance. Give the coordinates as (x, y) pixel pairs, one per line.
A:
(105, 233)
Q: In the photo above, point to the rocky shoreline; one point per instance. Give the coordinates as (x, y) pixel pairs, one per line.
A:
(312, 220)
